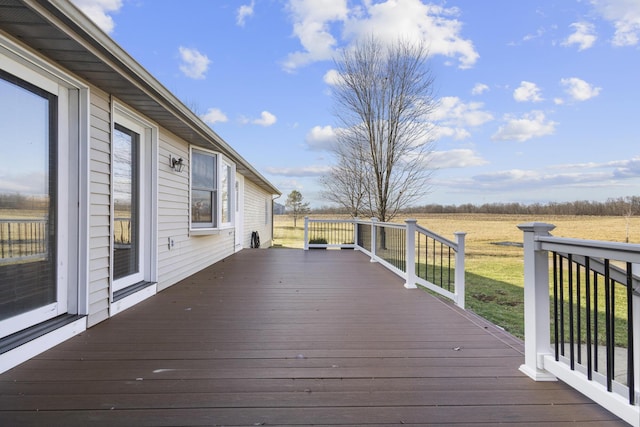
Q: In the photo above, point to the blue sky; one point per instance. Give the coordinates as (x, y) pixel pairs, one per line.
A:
(537, 99)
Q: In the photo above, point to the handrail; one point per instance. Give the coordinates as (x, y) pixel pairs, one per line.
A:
(437, 237)
(415, 253)
(592, 300)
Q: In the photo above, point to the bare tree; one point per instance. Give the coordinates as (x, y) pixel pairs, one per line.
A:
(347, 183)
(383, 99)
(297, 207)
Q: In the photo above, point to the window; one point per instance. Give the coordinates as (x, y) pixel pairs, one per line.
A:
(225, 186)
(203, 189)
(212, 187)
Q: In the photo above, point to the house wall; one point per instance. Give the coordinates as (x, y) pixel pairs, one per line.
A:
(258, 215)
(99, 206)
(189, 253)
(178, 253)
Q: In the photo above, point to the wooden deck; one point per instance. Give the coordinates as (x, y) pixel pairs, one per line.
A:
(287, 337)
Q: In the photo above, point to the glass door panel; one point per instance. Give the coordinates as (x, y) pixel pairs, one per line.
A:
(28, 188)
(126, 224)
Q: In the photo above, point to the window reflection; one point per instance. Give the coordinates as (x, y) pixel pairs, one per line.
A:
(27, 196)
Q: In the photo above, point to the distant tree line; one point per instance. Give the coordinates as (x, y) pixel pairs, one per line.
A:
(621, 206)
(21, 201)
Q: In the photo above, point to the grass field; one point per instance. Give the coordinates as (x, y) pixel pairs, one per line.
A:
(494, 272)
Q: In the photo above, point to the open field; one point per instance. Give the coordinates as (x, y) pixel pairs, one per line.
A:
(494, 272)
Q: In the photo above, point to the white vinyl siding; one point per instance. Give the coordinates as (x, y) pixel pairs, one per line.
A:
(99, 210)
(189, 253)
(257, 208)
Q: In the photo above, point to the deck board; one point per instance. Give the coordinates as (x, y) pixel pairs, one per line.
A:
(287, 337)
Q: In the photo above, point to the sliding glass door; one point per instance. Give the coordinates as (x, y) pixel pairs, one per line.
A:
(29, 290)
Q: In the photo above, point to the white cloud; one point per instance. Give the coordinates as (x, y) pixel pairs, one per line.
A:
(266, 119)
(583, 36)
(625, 16)
(332, 77)
(527, 92)
(321, 138)
(98, 11)
(311, 25)
(213, 116)
(479, 89)
(303, 171)
(289, 184)
(317, 25)
(620, 169)
(451, 110)
(539, 33)
(531, 125)
(458, 158)
(194, 64)
(579, 176)
(439, 132)
(579, 90)
(415, 20)
(452, 117)
(244, 11)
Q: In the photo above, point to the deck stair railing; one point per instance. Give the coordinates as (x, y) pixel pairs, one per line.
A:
(416, 254)
(582, 317)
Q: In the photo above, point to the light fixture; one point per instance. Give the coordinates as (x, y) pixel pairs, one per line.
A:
(176, 164)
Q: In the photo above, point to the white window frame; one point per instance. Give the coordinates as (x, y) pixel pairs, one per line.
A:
(148, 181)
(217, 223)
(72, 228)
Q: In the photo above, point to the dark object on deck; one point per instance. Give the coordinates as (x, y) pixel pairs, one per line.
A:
(255, 239)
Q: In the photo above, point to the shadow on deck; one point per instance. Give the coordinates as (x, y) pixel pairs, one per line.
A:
(288, 337)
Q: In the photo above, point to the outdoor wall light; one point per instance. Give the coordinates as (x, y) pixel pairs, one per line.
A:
(176, 164)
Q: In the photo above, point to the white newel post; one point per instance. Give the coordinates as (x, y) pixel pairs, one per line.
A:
(355, 233)
(306, 233)
(537, 335)
(459, 283)
(373, 239)
(410, 264)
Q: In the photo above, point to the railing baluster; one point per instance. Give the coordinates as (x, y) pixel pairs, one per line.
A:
(630, 349)
(433, 278)
(571, 314)
(607, 303)
(562, 352)
(612, 323)
(578, 314)
(587, 277)
(595, 321)
(2, 242)
(10, 241)
(555, 305)
(449, 271)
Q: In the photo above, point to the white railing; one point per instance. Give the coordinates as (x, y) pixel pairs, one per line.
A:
(23, 240)
(582, 317)
(416, 254)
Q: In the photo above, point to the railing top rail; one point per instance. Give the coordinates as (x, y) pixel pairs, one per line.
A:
(628, 252)
(332, 221)
(390, 225)
(419, 228)
(22, 220)
(438, 238)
